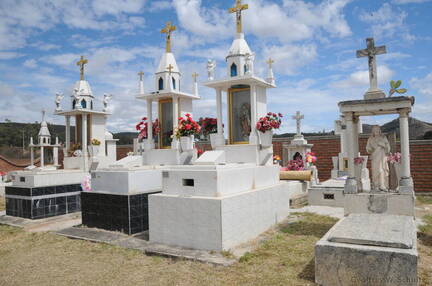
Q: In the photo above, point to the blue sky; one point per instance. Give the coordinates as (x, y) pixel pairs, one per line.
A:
(313, 44)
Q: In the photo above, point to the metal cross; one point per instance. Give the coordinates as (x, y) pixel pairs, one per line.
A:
(81, 64)
(371, 51)
(194, 76)
(170, 68)
(270, 62)
(141, 74)
(167, 30)
(238, 8)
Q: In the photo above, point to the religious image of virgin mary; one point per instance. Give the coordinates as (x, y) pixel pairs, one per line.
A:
(245, 120)
(378, 147)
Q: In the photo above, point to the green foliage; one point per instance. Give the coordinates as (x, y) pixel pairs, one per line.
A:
(394, 87)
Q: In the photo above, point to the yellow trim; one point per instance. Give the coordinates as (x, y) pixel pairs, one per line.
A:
(229, 95)
(161, 123)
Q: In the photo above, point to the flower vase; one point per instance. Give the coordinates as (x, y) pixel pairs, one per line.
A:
(266, 138)
(213, 140)
(397, 168)
(93, 150)
(186, 143)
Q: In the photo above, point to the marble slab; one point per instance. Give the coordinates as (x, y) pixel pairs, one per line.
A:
(376, 230)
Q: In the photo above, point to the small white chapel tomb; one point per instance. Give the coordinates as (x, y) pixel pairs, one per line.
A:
(233, 193)
(118, 200)
(376, 243)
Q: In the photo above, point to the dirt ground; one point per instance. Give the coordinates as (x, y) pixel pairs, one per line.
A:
(285, 259)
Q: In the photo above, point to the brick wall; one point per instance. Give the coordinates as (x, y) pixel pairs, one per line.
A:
(327, 146)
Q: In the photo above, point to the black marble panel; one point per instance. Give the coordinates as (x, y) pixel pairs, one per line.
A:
(124, 213)
(17, 191)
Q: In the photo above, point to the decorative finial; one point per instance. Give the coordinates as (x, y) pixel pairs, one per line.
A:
(81, 64)
(107, 98)
(58, 99)
(141, 74)
(170, 68)
(238, 8)
(194, 76)
(270, 63)
(43, 115)
(168, 30)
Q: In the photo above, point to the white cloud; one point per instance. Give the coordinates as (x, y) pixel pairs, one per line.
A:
(30, 63)
(387, 22)
(159, 5)
(423, 85)
(361, 78)
(9, 55)
(289, 58)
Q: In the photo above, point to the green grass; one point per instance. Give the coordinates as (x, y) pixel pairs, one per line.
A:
(426, 200)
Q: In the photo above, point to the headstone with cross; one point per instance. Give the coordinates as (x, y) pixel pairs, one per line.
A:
(168, 30)
(298, 117)
(371, 51)
(238, 8)
(81, 64)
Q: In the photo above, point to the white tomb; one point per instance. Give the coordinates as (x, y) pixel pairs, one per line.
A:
(376, 243)
(132, 179)
(232, 194)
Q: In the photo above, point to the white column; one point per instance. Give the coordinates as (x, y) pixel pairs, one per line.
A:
(84, 139)
(31, 156)
(67, 139)
(253, 138)
(149, 124)
(174, 143)
(55, 154)
(220, 131)
(42, 159)
(355, 136)
(351, 182)
(406, 183)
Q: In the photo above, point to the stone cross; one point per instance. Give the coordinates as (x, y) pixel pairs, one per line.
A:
(170, 68)
(371, 51)
(194, 76)
(168, 30)
(298, 117)
(81, 64)
(238, 8)
(141, 74)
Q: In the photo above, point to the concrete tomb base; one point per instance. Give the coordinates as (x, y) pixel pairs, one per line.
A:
(329, 193)
(118, 200)
(380, 203)
(368, 249)
(36, 194)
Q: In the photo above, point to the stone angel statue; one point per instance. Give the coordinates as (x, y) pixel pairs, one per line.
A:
(59, 97)
(107, 98)
(77, 97)
(211, 65)
(249, 63)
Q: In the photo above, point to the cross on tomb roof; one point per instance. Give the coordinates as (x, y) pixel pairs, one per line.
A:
(168, 30)
(298, 117)
(238, 8)
(141, 74)
(371, 51)
(81, 64)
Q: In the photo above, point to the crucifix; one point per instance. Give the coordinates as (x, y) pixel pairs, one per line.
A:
(141, 74)
(194, 76)
(270, 62)
(168, 30)
(238, 8)
(170, 68)
(298, 117)
(81, 64)
(371, 51)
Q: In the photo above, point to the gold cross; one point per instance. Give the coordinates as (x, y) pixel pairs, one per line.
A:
(170, 68)
(270, 62)
(141, 73)
(237, 9)
(81, 63)
(167, 30)
(194, 76)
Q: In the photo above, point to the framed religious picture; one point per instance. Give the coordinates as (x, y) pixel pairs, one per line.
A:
(166, 123)
(239, 108)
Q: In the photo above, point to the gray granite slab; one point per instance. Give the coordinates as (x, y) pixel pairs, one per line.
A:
(376, 230)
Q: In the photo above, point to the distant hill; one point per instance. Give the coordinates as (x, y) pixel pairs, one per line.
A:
(125, 138)
(418, 129)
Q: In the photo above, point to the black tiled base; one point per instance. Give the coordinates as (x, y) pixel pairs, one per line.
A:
(124, 213)
(42, 202)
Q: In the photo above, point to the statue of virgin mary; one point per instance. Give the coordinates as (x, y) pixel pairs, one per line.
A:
(378, 147)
